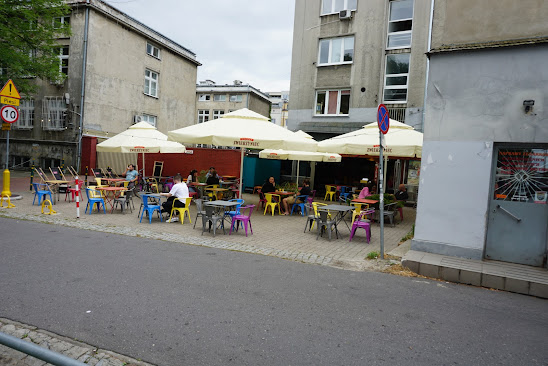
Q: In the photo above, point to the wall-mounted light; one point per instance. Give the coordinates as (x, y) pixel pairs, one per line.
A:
(528, 104)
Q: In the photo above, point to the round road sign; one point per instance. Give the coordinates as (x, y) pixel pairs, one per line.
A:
(383, 119)
(9, 114)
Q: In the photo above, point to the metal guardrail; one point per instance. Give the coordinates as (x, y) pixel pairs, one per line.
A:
(35, 350)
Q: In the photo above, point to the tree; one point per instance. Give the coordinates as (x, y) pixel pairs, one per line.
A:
(28, 41)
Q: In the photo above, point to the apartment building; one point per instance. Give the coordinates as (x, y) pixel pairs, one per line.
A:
(351, 55)
(118, 71)
(279, 107)
(484, 173)
(213, 101)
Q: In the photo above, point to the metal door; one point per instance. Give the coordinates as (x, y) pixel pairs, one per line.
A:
(517, 228)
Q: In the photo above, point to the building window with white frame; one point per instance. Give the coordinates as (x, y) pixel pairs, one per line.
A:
(235, 97)
(153, 50)
(54, 112)
(332, 102)
(26, 115)
(203, 115)
(335, 6)
(151, 83)
(204, 97)
(396, 78)
(61, 22)
(149, 119)
(63, 59)
(400, 24)
(336, 51)
(219, 97)
(218, 114)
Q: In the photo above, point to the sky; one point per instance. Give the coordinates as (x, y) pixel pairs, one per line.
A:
(247, 40)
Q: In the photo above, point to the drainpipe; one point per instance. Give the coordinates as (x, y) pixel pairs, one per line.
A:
(84, 60)
(427, 63)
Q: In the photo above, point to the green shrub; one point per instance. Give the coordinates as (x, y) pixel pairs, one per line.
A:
(373, 255)
(202, 176)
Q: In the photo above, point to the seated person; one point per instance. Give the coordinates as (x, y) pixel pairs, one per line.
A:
(364, 192)
(305, 191)
(179, 190)
(401, 194)
(213, 178)
(192, 178)
(131, 175)
(213, 172)
(269, 186)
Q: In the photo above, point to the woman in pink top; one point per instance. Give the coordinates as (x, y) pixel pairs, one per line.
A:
(364, 192)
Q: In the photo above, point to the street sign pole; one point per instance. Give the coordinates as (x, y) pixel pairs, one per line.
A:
(8, 149)
(383, 121)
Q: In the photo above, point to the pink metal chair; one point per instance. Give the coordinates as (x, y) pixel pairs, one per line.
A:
(242, 219)
(362, 222)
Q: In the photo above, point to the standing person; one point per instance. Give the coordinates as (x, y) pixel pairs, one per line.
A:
(269, 186)
(305, 191)
(179, 190)
(131, 175)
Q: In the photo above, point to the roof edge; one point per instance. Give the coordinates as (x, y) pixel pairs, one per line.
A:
(491, 44)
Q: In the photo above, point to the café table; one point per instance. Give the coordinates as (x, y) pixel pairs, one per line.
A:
(110, 194)
(229, 177)
(365, 200)
(217, 191)
(221, 207)
(341, 210)
(113, 181)
(56, 183)
(256, 189)
(284, 194)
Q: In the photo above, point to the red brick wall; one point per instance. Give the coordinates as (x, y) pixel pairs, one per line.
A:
(226, 161)
(89, 155)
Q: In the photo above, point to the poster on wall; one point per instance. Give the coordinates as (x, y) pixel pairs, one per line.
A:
(413, 172)
(522, 175)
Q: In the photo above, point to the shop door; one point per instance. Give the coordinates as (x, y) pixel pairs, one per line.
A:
(517, 228)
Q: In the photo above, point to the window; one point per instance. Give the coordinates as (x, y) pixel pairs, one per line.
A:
(235, 97)
(151, 83)
(53, 113)
(153, 51)
(63, 59)
(334, 6)
(26, 115)
(204, 97)
(400, 24)
(396, 77)
(218, 114)
(336, 51)
(149, 118)
(203, 116)
(219, 97)
(61, 22)
(332, 102)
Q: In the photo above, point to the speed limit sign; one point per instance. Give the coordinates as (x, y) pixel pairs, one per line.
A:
(9, 114)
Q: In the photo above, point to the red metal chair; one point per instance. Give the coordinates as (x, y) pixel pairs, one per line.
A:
(262, 199)
(72, 191)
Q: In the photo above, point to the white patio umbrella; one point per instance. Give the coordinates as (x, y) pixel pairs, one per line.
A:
(400, 141)
(142, 138)
(245, 129)
(299, 156)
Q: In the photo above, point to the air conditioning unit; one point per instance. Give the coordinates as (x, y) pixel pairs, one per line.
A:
(137, 119)
(345, 14)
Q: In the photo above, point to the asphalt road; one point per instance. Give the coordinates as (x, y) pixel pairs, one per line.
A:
(173, 304)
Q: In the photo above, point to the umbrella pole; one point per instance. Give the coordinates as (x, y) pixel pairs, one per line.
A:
(242, 149)
(143, 157)
(298, 173)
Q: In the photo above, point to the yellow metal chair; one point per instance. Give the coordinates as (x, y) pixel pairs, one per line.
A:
(211, 194)
(358, 208)
(313, 216)
(330, 191)
(272, 200)
(153, 184)
(182, 210)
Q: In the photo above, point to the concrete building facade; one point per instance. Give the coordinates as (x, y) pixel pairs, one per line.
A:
(213, 101)
(279, 107)
(118, 71)
(351, 55)
(484, 172)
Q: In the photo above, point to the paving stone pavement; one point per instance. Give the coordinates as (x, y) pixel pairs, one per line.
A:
(71, 348)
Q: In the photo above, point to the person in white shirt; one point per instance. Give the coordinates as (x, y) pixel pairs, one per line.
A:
(179, 190)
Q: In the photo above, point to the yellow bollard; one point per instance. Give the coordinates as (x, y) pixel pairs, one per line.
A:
(10, 205)
(50, 207)
(6, 190)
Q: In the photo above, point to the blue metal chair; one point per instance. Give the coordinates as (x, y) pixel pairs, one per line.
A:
(237, 209)
(301, 205)
(94, 198)
(41, 193)
(346, 194)
(150, 209)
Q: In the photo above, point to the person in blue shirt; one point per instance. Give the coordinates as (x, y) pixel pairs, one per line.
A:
(131, 175)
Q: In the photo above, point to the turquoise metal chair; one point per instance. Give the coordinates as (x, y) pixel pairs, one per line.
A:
(150, 208)
(40, 192)
(301, 205)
